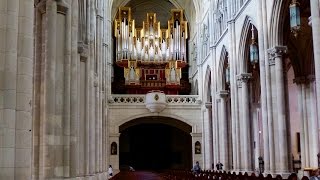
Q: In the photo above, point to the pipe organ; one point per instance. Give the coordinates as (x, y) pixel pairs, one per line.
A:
(152, 58)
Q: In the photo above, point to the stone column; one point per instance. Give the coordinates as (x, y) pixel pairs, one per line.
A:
(263, 98)
(313, 124)
(281, 128)
(300, 81)
(245, 130)
(224, 157)
(25, 55)
(74, 93)
(210, 138)
(315, 21)
(9, 28)
(233, 91)
(216, 125)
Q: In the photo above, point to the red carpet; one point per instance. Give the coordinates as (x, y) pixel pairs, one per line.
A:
(137, 175)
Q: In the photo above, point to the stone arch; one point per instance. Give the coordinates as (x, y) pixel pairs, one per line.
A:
(243, 45)
(181, 122)
(207, 80)
(221, 69)
(277, 22)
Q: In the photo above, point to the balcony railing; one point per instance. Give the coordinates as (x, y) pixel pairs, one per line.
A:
(134, 99)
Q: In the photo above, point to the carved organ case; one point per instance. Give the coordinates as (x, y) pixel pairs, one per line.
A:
(152, 58)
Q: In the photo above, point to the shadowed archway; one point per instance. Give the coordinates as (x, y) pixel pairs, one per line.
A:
(155, 143)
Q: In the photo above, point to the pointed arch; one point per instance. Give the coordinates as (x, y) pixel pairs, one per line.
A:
(243, 51)
(277, 22)
(221, 67)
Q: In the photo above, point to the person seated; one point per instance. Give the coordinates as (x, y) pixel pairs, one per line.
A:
(196, 168)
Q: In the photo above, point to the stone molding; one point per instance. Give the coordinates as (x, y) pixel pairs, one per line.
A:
(208, 105)
(223, 94)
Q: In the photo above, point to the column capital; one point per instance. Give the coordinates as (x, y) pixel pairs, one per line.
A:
(244, 77)
(223, 94)
(276, 52)
(208, 105)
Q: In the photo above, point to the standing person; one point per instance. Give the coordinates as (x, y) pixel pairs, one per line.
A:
(196, 168)
(110, 171)
(219, 166)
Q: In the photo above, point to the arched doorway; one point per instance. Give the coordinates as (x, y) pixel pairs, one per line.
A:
(155, 143)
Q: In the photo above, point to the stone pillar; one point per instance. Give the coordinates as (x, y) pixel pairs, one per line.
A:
(9, 28)
(282, 165)
(313, 124)
(16, 88)
(263, 82)
(309, 134)
(216, 125)
(224, 157)
(246, 162)
(301, 83)
(210, 138)
(315, 21)
(233, 91)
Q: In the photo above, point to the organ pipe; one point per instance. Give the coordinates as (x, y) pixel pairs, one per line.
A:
(150, 43)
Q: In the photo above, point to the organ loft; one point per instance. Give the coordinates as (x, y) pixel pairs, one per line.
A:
(149, 57)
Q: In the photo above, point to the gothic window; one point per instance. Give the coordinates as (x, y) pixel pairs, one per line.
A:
(114, 148)
(197, 148)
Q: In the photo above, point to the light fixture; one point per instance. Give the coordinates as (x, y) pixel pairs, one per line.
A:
(295, 17)
(227, 74)
(254, 52)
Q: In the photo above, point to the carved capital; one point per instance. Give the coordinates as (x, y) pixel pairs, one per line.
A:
(276, 52)
(244, 77)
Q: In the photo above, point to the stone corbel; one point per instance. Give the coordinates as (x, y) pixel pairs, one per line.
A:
(83, 50)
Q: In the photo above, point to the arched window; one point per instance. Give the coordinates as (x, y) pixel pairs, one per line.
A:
(114, 148)
(197, 148)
